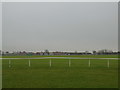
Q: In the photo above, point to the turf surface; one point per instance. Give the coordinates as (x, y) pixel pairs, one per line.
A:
(60, 75)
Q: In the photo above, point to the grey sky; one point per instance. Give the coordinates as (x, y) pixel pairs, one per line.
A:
(60, 26)
(0, 26)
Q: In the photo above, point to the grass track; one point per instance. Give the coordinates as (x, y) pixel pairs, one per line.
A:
(60, 75)
(82, 56)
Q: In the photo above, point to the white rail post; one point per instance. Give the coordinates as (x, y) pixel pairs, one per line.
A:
(108, 64)
(69, 62)
(50, 63)
(9, 63)
(29, 63)
(89, 63)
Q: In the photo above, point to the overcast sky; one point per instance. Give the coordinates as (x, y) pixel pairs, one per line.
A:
(60, 26)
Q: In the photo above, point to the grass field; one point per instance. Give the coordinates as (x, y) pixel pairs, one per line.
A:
(82, 56)
(60, 75)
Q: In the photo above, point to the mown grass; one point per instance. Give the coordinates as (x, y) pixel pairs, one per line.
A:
(60, 75)
(82, 56)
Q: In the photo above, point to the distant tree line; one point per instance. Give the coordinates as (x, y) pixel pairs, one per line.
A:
(46, 52)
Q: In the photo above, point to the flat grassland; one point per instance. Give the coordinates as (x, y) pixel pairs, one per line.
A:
(61, 74)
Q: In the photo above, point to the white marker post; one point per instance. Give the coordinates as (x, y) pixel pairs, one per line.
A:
(108, 63)
(50, 63)
(29, 63)
(89, 63)
(69, 62)
(9, 63)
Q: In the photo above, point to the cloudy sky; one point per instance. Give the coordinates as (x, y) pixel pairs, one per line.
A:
(60, 26)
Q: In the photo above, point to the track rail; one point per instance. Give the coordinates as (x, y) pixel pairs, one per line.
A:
(62, 58)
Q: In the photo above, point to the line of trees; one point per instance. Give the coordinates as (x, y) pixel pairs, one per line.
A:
(46, 52)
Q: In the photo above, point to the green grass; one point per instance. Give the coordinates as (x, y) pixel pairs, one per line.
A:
(82, 56)
(60, 75)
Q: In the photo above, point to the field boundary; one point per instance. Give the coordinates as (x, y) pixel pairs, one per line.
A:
(62, 58)
(69, 59)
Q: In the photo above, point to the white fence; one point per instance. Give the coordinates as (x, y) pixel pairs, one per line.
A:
(68, 58)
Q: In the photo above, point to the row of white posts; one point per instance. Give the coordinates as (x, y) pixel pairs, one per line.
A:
(69, 63)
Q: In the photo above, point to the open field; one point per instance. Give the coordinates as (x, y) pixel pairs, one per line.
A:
(79, 73)
(82, 56)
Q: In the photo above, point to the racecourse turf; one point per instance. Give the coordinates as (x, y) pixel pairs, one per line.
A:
(60, 75)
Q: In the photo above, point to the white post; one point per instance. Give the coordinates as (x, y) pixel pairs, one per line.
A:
(50, 62)
(69, 62)
(9, 63)
(108, 63)
(29, 63)
(89, 62)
